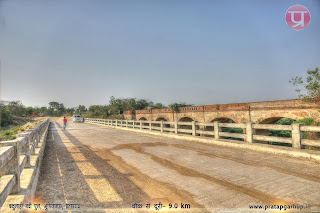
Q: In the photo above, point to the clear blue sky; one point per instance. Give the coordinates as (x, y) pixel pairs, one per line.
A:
(199, 51)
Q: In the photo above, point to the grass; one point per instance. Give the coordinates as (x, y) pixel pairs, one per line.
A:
(19, 125)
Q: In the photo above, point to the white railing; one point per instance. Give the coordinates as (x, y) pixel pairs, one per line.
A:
(214, 129)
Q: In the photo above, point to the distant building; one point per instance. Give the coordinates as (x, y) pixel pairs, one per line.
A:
(34, 114)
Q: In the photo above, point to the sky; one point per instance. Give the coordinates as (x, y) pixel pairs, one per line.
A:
(199, 52)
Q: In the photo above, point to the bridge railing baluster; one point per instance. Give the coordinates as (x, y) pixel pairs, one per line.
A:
(249, 134)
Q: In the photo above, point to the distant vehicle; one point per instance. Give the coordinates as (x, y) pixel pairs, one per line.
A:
(77, 118)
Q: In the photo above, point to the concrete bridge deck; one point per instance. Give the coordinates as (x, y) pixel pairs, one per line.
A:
(102, 168)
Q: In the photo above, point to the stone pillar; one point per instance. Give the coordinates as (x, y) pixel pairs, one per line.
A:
(296, 136)
(32, 143)
(193, 126)
(25, 150)
(14, 163)
(161, 126)
(250, 132)
(216, 129)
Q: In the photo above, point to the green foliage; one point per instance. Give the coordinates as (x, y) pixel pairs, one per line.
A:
(70, 111)
(16, 108)
(157, 106)
(119, 105)
(9, 132)
(308, 121)
(116, 107)
(282, 133)
(6, 116)
(232, 130)
(56, 109)
(81, 110)
(311, 85)
(175, 106)
(98, 111)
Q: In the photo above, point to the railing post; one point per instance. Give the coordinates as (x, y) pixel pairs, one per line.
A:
(176, 127)
(121, 123)
(250, 132)
(217, 129)
(126, 122)
(26, 149)
(133, 124)
(116, 122)
(296, 136)
(38, 138)
(193, 125)
(150, 125)
(140, 124)
(161, 126)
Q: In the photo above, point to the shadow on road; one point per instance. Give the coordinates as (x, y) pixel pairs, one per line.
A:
(73, 173)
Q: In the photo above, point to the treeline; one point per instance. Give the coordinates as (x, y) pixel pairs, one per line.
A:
(114, 109)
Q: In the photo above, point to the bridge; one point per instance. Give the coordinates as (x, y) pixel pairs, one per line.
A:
(267, 112)
(120, 165)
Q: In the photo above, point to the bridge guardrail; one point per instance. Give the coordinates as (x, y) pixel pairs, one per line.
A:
(18, 156)
(214, 129)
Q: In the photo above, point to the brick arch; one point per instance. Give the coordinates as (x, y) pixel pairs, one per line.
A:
(273, 118)
(142, 119)
(161, 119)
(223, 119)
(186, 119)
(145, 116)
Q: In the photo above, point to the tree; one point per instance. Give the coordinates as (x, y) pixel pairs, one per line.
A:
(70, 111)
(175, 106)
(29, 110)
(311, 85)
(118, 105)
(6, 117)
(98, 111)
(157, 105)
(81, 109)
(43, 110)
(56, 109)
(16, 108)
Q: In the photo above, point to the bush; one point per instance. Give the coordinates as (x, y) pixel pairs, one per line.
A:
(308, 121)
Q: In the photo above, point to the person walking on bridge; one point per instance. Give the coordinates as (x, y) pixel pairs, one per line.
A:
(64, 123)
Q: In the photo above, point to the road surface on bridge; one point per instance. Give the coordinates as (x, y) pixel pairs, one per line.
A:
(102, 168)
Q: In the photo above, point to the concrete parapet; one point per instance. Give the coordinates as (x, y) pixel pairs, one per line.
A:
(249, 136)
(20, 162)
